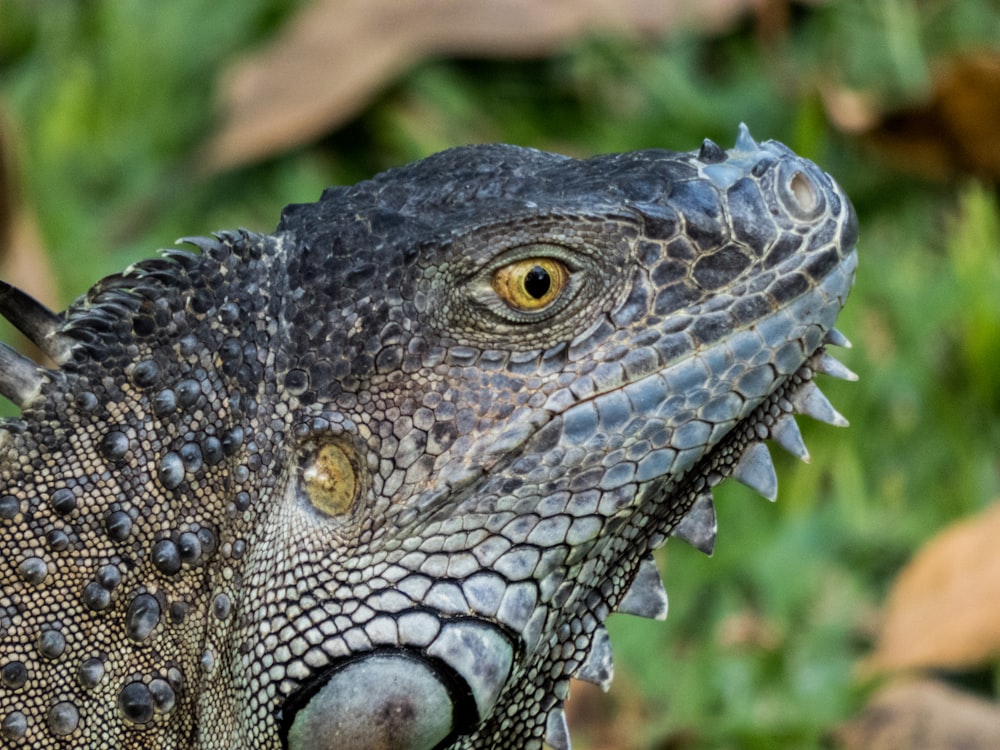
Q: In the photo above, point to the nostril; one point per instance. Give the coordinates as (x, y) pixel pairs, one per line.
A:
(804, 191)
(801, 192)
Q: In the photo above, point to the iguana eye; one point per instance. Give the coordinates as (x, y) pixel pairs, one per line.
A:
(531, 284)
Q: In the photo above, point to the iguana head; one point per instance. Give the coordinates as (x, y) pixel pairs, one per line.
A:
(377, 479)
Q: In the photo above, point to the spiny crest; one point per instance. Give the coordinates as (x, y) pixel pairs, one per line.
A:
(102, 317)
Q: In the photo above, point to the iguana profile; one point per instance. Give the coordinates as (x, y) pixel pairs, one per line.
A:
(376, 480)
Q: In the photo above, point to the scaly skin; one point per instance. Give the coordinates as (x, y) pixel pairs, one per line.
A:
(377, 479)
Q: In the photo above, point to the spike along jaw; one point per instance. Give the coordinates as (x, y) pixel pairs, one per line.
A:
(743, 455)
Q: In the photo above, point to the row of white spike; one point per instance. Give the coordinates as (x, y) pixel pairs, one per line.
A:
(646, 595)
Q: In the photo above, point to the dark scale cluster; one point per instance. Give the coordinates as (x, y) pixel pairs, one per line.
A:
(383, 475)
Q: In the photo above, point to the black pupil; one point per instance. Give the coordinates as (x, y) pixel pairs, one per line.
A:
(537, 282)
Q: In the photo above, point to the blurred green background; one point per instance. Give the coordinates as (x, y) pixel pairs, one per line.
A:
(105, 105)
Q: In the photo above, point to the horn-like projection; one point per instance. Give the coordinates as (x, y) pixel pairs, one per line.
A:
(35, 321)
(20, 378)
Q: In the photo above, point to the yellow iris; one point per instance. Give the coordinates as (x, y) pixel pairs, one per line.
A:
(531, 284)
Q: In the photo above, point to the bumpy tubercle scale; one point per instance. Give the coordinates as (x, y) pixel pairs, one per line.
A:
(339, 485)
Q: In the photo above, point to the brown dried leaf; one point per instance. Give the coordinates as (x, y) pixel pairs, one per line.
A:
(603, 721)
(922, 715)
(944, 609)
(336, 54)
(956, 131)
(749, 631)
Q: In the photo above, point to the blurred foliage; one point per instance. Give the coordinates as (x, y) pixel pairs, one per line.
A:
(111, 99)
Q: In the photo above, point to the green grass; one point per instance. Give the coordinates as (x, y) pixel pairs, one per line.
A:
(112, 98)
